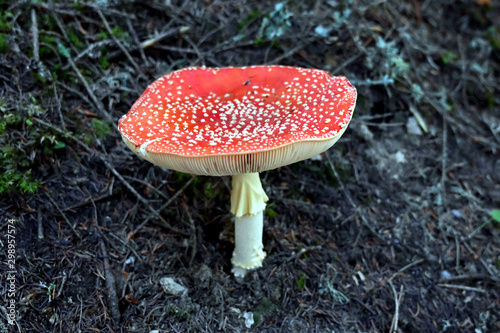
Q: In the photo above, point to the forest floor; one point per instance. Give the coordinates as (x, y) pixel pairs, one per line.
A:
(391, 230)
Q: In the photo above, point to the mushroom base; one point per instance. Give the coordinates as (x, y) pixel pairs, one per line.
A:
(248, 251)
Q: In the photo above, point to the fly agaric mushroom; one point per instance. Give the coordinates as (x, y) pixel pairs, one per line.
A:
(239, 122)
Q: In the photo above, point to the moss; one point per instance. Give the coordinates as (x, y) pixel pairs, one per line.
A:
(63, 50)
(46, 42)
(180, 313)
(270, 212)
(4, 44)
(74, 38)
(20, 181)
(119, 33)
(494, 37)
(266, 308)
(101, 128)
(77, 5)
(491, 100)
(5, 17)
(449, 57)
(301, 282)
(123, 96)
(209, 190)
(181, 176)
(102, 35)
(48, 23)
(104, 60)
(3, 126)
(18, 157)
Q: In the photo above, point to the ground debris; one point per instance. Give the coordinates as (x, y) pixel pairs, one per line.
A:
(171, 287)
(390, 230)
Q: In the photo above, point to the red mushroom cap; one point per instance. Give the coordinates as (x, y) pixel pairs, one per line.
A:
(200, 120)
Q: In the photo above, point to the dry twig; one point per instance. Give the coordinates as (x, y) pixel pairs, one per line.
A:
(171, 32)
(136, 41)
(34, 32)
(415, 263)
(110, 285)
(40, 225)
(97, 102)
(117, 41)
(156, 212)
(340, 182)
(63, 215)
(397, 301)
(443, 163)
(466, 288)
(193, 233)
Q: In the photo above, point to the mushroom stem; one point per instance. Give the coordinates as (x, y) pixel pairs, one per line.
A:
(248, 201)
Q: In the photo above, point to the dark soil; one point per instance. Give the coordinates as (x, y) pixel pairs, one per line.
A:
(388, 231)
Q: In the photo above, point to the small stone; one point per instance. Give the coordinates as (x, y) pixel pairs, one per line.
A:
(445, 275)
(235, 310)
(129, 261)
(171, 287)
(398, 157)
(412, 127)
(248, 319)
